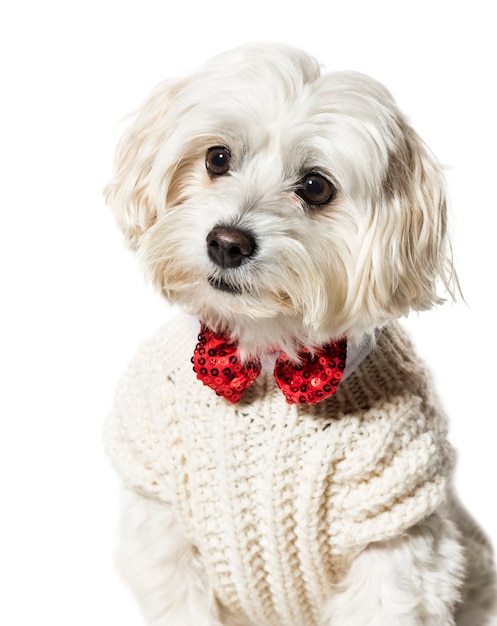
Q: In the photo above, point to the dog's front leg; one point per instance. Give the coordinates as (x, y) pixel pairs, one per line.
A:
(412, 581)
(163, 568)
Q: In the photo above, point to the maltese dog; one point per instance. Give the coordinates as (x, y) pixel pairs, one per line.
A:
(284, 453)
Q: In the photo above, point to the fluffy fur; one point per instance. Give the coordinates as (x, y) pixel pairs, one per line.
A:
(376, 251)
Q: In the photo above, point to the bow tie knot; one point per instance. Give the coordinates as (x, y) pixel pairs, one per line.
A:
(314, 378)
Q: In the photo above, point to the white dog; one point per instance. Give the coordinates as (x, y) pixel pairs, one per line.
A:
(288, 467)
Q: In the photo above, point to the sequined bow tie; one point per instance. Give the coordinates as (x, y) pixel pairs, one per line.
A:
(217, 364)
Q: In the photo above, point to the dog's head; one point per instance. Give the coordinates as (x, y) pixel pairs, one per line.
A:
(281, 204)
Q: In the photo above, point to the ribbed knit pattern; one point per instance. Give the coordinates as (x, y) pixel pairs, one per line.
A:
(279, 498)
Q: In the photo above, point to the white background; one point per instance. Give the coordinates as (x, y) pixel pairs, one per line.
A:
(74, 307)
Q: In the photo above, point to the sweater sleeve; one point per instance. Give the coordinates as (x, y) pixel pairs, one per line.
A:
(135, 433)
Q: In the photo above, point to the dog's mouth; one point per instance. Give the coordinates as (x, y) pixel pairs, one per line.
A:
(221, 285)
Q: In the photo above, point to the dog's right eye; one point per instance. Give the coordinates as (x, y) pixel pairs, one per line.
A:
(217, 160)
(316, 190)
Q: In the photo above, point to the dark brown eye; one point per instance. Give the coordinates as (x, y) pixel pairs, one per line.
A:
(217, 160)
(316, 190)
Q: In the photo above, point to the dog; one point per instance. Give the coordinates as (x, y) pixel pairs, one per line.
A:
(284, 454)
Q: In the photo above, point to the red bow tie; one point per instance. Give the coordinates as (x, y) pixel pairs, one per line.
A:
(217, 364)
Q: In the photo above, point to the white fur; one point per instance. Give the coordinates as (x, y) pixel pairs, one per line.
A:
(378, 250)
(164, 568)
(410, 581)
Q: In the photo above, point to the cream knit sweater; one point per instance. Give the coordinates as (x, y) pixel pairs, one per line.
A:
(277, 498)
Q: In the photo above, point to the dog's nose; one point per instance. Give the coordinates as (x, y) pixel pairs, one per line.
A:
(229, 247)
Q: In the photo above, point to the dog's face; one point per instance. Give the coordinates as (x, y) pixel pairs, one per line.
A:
(282, 205)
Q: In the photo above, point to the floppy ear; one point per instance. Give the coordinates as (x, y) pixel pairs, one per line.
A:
(408, 253)
(129, 190)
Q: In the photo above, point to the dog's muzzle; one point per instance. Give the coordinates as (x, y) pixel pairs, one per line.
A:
(229, 248)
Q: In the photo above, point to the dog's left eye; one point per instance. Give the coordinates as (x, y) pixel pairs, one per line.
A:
(217, 160)
(316, 190)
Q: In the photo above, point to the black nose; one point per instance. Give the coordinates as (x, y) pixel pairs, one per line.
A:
(229, 247)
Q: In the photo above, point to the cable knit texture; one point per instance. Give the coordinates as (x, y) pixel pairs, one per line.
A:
(279, 498)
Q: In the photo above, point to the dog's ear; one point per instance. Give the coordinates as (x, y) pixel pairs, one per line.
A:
(129, 192)
(410, 253)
